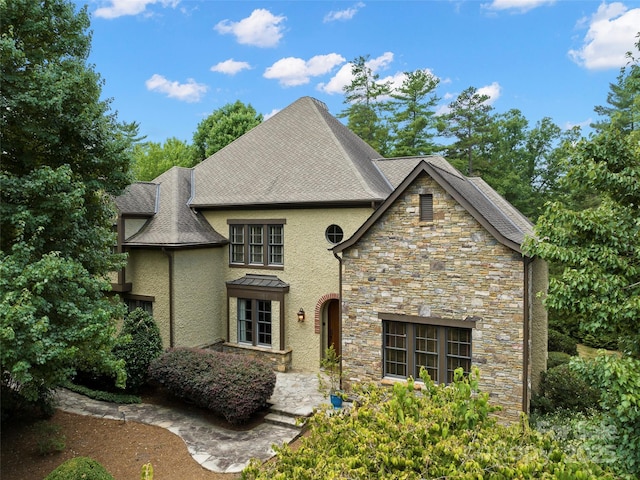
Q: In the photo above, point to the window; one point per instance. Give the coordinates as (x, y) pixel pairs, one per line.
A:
(334, 234)
(257, 243)
(426, 208)
(440, 349)
(145, 305)
(254, 321)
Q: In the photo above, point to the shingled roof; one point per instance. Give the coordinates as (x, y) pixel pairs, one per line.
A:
(497, 215)
(301, 155)
(138, 200)
(174, 223)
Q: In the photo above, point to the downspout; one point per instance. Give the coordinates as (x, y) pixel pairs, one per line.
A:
(340, 312)
(169, 255)
(119, 249)
(526, 350)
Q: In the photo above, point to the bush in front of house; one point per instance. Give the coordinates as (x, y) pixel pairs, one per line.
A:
(557, 358)
(80, 467)
(564, 388)
(441, 431)
(560, 342)
(230, 385)
(138, 351)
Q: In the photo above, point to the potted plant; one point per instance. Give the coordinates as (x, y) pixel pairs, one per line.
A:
(330, 382)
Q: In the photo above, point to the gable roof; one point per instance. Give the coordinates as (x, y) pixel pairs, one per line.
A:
(493, 212)
(301, 155)
(174, 223)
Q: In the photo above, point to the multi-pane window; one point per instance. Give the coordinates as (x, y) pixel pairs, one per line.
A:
(254, 321)
(440, 349)
(256, 244)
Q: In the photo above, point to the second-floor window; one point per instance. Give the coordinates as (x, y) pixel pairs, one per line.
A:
(257, 244)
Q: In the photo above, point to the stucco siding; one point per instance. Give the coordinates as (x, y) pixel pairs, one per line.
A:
(450, 268)
(310, 269)
(198, 297)
(148, 272)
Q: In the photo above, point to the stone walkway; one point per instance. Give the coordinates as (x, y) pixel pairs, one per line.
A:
(215, 448)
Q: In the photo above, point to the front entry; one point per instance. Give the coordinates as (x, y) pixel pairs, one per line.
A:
(333, 325)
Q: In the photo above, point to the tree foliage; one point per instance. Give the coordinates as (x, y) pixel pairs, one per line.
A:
(440, 432)
(413, 115)
(64, 154)
(468, 122)
(151, 159)
(598, 246)
(222, 127)
(366, 108)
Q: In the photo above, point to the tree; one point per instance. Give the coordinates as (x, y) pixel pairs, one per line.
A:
(365, 113)
(598, 246)
(468, 121)
(152, 159)
(623, 98)
(413, 115)
(64, 157)
(223, 126)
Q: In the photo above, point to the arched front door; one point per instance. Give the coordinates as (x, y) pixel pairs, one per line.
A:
(333, 325)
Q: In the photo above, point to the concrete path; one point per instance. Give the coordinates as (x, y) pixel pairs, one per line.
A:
(215, 448)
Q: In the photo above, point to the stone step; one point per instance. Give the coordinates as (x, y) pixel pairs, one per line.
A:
(283, 420)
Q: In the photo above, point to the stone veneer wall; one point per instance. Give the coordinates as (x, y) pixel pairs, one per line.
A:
(450, 268)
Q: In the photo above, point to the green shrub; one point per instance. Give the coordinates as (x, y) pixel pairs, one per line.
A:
(557, 358)
(618, 378)
(83, 468)
(15, 405)
(230, 385)
(559, 342)
(50, 437)
(564, 388)
(113, 397)
(439, 432)
(606, 341)
(145, 345)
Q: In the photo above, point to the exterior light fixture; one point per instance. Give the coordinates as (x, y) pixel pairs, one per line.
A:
(301, 315)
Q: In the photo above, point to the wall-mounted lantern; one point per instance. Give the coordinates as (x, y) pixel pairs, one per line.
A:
(301, 315)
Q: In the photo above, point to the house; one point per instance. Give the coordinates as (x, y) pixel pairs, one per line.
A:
(236, 252)
(251, 251)
(436, 278)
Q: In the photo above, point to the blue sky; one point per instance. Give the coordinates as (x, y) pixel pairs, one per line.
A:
(168, 64)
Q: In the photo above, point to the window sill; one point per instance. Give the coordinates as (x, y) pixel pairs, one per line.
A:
(390, 381)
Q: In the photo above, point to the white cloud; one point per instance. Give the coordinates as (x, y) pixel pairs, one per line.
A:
(344, 76)
(581, 125)
(612, 30)
(492, 91)
(260, 29)
(270, 114)
(230, 67)
(120, 8)
(342, 15)
(292, 71)
(188, 92)
(521, 6)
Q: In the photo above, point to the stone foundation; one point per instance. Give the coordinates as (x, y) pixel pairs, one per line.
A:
(280, 360)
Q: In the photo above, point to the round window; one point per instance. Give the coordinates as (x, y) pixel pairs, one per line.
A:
(334, 234)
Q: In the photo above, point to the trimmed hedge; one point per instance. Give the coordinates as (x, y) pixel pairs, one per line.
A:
(230, 385)
(559, 342)
(563, 388)
(138, 351)
(80, 467)
(557, 358)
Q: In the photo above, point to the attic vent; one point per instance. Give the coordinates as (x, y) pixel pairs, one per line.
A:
(426, 207)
